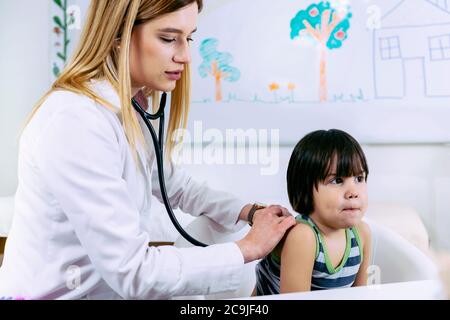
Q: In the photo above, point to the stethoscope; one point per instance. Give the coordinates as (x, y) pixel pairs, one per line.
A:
(158, 144)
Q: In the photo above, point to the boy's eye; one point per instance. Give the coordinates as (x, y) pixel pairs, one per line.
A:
(360, 178)
(336, 180)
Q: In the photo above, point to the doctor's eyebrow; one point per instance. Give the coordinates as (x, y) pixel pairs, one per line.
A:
(174, 30)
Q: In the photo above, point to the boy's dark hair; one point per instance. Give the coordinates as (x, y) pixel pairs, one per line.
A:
(311, 163)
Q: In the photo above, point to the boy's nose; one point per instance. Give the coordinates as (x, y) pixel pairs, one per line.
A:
(351, 194)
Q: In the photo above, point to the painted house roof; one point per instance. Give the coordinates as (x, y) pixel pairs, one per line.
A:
(417, 13)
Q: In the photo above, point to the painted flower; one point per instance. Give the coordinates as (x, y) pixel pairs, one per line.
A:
(340, 35)
(71, 18)
(313, 12)
(291, 86)
(274, 86)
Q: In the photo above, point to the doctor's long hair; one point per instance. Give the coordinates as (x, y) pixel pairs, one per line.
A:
(103, 53)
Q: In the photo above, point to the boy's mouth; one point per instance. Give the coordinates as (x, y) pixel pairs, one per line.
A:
(350, 209)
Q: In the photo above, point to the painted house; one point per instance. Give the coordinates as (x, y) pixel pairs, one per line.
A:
(411, 51)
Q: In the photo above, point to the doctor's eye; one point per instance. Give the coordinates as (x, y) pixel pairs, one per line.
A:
(168, 40)
(190, 39)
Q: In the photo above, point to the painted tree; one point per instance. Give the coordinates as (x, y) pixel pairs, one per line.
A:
(274, 87)
(291, 88)
(61, 29)
(217, 65)
(328, 27)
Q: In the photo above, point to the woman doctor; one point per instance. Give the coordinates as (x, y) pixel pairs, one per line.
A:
(85, 179)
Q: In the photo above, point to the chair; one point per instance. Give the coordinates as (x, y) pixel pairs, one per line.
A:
(403, 220)
(393, 258)
(6, 213)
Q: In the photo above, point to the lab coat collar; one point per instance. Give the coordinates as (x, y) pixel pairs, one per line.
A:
(105, 90)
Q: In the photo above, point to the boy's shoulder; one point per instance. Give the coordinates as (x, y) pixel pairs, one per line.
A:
(302, 229)
(301, 234)
(363, 230)
(363, 227)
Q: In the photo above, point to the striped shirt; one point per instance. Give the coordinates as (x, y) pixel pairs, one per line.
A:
(324, 275)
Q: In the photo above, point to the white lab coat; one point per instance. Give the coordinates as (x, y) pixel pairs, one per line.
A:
(82, 208)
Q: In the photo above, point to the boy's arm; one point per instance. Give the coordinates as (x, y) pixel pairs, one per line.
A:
(297, 259)
(366, 238)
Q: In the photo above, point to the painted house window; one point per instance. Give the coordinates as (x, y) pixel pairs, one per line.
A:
(390, 48)
(439, 47)
(442, 4)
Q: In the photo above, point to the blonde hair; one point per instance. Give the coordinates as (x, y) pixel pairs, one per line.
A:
(97, 57)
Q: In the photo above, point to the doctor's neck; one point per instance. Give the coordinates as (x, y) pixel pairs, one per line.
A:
(140, 98)
(135, 90)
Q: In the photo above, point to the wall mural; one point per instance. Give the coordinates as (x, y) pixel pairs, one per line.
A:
(379, 69)
(66, 26)
(308, 64)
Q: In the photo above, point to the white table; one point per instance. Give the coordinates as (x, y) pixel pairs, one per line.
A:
(413, 290)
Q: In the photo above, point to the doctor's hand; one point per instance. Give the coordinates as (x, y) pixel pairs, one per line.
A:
(269, 227)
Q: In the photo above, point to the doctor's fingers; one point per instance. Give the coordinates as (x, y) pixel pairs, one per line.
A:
(286, 220)
(276, 219)
(280, 210)
(286, 223)
(267, 214)
(279, 229)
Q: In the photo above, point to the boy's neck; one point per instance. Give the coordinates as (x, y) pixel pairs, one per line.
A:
(325, 229)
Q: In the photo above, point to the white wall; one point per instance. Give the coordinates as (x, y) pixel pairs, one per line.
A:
(24, 65)
(416, 176)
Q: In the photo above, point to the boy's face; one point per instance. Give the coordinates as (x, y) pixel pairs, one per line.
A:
(340, 202)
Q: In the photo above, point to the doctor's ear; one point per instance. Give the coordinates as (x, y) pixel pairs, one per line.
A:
(117, 43)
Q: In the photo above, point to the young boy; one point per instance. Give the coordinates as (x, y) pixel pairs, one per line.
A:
(330, 245)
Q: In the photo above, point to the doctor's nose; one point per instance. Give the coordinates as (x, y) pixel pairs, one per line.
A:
(183, 55)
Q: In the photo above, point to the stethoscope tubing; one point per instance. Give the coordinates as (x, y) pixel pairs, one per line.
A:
(159, 145)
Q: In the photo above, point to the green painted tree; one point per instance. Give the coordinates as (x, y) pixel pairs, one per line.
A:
(217, 65)
(328, 27)
(62, 24)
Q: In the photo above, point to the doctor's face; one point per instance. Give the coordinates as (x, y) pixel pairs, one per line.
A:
(160, 49)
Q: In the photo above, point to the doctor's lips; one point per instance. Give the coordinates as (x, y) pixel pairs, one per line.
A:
(174, 75)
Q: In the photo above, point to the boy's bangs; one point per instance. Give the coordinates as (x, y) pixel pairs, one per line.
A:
(346, 163)
(349, 165)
